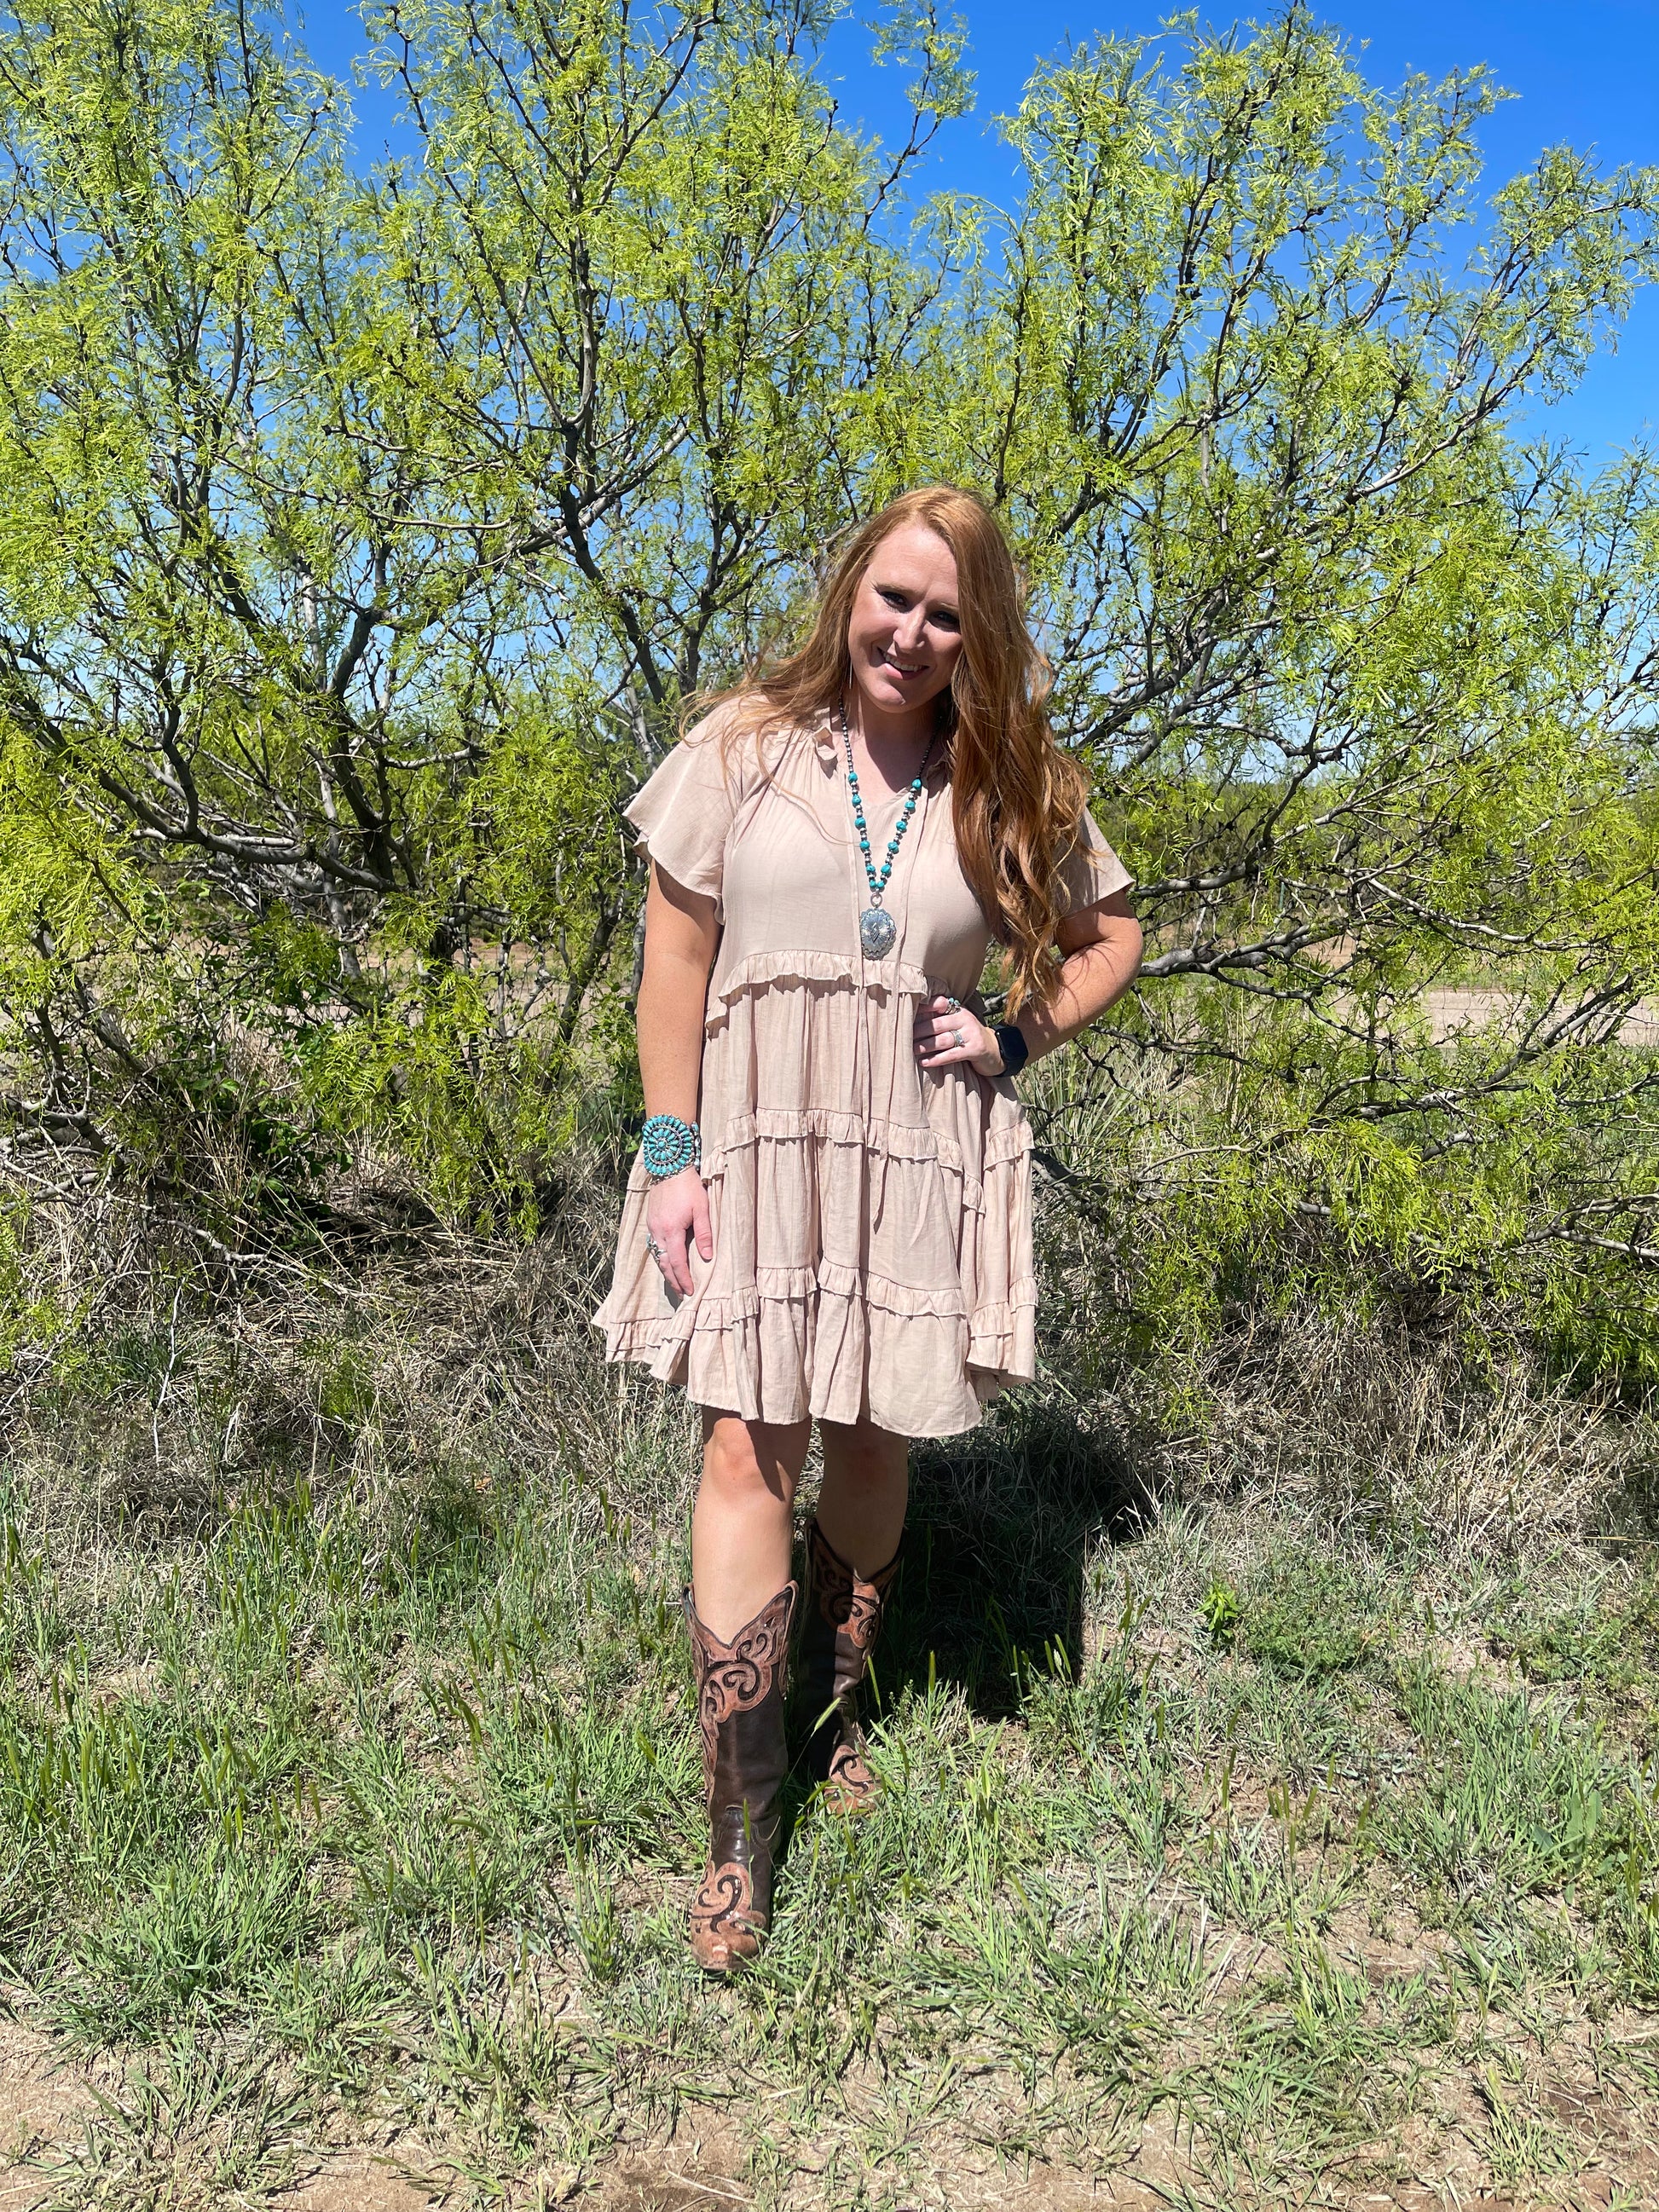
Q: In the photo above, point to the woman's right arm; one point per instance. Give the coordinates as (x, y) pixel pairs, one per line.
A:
(681, 934)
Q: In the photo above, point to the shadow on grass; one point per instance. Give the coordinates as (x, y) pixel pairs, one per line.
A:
(1002, 1521)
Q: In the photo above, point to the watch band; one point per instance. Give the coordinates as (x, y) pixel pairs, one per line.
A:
(1012, 1046)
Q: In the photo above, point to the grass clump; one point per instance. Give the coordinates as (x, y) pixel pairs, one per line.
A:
(1302, 1615)
(1309, 1615)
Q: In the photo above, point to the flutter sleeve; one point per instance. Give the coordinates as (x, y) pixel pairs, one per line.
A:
(683, 814)
(1092, 871)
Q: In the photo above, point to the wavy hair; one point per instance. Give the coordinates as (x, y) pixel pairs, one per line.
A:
(1017, 799)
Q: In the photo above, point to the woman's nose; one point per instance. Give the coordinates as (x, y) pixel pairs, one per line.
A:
(908, 633)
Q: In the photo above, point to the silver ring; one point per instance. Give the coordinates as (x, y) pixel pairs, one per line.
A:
(953, 1005)
(958, 1035)
(652, 1246)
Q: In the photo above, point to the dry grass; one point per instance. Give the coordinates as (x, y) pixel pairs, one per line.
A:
(1270, 1822)
(1368, 1426)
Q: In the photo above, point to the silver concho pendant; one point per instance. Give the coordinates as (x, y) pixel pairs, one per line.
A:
(877, 930)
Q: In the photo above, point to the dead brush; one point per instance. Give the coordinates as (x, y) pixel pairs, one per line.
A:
(171, 1374)
(166, 1374)
(1371, 1425)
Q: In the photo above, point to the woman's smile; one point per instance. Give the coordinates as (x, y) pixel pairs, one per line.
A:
(906, 670)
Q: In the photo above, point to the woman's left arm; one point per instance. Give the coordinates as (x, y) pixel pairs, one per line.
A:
(1100, 950)
(1100, 957)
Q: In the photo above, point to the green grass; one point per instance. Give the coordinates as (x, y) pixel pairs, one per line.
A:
(1269, 1864)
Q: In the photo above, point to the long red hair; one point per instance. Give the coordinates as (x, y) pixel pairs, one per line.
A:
(1017, 799)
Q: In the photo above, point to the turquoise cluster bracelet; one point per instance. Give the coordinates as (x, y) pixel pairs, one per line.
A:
(667, 1145)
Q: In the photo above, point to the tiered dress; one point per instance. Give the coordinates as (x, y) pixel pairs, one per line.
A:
(872, 1218)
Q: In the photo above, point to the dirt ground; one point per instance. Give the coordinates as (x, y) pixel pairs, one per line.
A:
(43, 2105)
(1452, 1012)
(42, 2100)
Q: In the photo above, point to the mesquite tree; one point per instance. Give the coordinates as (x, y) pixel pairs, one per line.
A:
(362, 536)
(1368, 682)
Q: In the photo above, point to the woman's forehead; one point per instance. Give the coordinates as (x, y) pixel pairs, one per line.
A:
(916, 556)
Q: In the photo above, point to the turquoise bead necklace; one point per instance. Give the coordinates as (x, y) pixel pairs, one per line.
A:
(876, 927)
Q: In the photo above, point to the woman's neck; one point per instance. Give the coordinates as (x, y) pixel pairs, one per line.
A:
(895, 745)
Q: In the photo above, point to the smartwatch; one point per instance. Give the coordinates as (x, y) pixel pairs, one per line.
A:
(1012, 1046)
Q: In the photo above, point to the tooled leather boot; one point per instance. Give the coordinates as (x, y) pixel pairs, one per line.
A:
(841, 1621)
(740, 1687)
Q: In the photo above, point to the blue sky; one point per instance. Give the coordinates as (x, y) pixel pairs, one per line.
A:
(1585, 73)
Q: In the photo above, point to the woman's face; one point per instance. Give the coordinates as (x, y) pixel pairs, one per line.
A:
(903, 636)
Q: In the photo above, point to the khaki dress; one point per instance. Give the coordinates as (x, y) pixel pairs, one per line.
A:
(872, 1218)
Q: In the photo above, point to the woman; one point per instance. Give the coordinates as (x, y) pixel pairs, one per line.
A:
(831, 1217)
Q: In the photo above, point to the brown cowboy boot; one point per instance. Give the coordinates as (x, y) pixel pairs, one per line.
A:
(841, 1621)
(745, 1756)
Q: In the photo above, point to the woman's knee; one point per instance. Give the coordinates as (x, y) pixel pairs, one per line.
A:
(745, 1461)
(863, 1457)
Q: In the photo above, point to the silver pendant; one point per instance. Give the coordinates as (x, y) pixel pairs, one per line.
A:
(877, 930)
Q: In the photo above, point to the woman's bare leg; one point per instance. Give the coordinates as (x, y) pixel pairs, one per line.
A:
(866, 1488)
(742, 1524)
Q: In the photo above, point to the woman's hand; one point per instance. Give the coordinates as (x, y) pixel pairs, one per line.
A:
(948, 1035)
(678, 1210)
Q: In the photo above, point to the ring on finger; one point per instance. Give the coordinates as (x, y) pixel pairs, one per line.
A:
(958, 1035)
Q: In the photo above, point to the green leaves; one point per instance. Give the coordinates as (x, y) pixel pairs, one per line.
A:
(363, 538)
(916, 34)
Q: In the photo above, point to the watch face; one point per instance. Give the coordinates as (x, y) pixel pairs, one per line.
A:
(877, 930)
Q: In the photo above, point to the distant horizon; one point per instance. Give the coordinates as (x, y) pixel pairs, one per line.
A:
(1588, 77)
